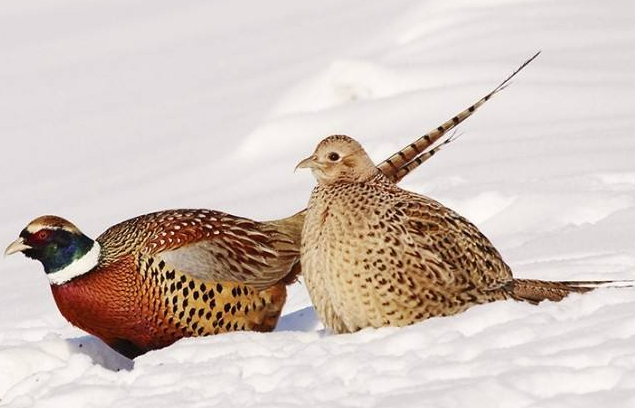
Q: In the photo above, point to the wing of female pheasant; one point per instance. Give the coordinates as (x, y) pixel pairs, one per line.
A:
(374, 254)
(151, 280)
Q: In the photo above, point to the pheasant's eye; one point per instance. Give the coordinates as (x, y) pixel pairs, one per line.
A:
(42, 235)
(334, 156)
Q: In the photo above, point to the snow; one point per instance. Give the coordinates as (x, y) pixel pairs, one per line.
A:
(111, 109)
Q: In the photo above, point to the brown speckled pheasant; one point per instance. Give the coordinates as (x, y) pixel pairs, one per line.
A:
(376, 255)
(154, 279)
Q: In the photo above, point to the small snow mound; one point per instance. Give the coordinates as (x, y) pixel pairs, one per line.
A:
(618, 181)
(539, 212)
(481, 207)
(348, 81)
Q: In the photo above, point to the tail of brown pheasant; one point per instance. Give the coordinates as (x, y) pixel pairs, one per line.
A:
(535, 291)
(403, 162)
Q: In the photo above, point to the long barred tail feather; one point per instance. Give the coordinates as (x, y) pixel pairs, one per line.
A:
(419, 160)
(403, 162)
(535, 291)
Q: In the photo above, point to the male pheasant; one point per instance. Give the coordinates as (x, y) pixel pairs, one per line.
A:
(151, 280)
(376, 255)
(148, 281)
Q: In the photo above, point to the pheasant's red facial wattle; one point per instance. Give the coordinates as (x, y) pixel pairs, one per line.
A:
(36, 239)
(61, 248)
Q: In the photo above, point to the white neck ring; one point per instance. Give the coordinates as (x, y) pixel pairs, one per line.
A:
(78, 267)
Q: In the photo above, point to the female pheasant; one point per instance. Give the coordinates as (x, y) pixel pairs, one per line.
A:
(151, 280)
(376, 255)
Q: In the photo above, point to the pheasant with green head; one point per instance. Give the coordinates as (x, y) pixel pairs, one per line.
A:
(61, 248)
(154, 279)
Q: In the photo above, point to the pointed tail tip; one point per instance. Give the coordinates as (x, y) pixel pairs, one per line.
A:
(534, 57)
(603, 284)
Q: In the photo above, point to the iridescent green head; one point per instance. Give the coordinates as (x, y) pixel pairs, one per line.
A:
(64, 251)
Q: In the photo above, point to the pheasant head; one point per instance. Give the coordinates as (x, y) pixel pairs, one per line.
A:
(64, 251)
(339, 159)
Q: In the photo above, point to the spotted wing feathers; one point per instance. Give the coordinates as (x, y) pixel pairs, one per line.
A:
(209, 245)
(458, 243)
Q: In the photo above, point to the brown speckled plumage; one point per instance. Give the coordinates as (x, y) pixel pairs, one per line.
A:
(210, 244)
(376, 255)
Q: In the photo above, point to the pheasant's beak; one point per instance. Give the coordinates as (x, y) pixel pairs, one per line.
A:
(16, 246)
(308, 163)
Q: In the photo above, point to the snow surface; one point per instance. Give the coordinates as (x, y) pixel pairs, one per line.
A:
(112, 108)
